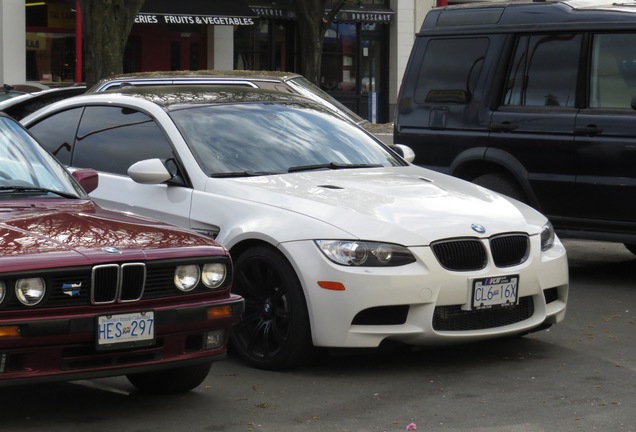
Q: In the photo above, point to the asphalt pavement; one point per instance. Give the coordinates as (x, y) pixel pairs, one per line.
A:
(579, 375)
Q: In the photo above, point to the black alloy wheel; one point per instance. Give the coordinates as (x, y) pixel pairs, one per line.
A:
(274, 333)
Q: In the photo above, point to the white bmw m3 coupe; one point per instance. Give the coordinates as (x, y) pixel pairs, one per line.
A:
(337, 240)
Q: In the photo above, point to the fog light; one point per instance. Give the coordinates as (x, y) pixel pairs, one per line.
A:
(9, 331)
(214, 339)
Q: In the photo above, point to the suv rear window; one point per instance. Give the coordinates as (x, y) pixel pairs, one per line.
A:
(450, 79)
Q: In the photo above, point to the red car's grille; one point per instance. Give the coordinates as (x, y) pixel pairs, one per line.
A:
(113, 283)
(105, 284)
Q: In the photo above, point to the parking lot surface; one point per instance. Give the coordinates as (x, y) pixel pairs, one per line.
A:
(579, 375)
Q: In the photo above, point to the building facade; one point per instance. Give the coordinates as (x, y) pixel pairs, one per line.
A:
(364, 53)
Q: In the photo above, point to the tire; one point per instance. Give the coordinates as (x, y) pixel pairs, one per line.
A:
(274, 333)
(170, 381)
(631, 247)
(502, 184)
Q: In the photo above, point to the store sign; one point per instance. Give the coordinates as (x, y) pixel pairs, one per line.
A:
(60, 16)
(370, 17)
(266, 12)
(193, 19)
(35, 42)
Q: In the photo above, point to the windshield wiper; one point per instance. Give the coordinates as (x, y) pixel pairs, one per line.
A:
(36, 189)
(248, 173)
(331, 165)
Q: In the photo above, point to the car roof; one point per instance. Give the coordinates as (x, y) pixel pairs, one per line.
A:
(20, 106)
(174, 97)
(500, 16)
(273, 80)
(71, 90)
(171, 96)
(188, 75)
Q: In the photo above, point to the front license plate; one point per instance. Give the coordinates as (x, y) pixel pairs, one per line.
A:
(500, 291)
(125, 330)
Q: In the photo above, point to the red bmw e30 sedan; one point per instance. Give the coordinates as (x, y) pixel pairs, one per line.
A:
(86, 292)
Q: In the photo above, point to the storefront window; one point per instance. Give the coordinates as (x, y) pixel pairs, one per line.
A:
(339, 60)
(354, 67)
(263, 46)
(50, 57)
(250, 46)
(50, 41)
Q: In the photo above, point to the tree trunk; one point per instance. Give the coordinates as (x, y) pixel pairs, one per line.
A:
(106, 25)
(312, 24)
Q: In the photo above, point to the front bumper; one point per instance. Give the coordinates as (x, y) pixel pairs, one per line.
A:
(62, 345)
(422, 303)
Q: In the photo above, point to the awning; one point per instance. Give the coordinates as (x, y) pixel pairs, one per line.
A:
(285, 10)
(210, 12)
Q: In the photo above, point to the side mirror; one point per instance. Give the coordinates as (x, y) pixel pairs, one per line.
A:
(149, 171)
(87, 179)
(406, 152)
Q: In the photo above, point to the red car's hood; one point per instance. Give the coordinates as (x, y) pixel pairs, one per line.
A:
(82, 233)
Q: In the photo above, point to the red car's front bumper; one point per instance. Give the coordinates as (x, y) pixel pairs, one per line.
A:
(63, 347)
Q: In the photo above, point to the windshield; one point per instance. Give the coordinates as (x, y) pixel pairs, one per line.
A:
(306, 88)
(265, 138)
(25, 167)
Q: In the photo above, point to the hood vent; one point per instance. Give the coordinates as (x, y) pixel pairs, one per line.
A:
(330, 187)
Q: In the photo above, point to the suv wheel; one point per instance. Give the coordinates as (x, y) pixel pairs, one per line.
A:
(171, 381)
(502, 184)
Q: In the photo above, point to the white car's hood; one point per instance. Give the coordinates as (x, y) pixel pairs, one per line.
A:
(407, 205)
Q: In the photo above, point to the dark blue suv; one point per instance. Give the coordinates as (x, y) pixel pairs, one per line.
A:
(535, 100)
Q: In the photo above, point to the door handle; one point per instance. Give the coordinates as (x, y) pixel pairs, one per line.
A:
(503, 127)
(588, 130)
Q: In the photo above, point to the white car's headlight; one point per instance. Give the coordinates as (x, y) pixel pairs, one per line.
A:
(364, 253)
(30, 291)
(186, 277)
(213, 275)
(547, 236)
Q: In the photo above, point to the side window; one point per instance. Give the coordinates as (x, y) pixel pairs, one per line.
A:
(544, 71)
(613, 71)
(110, 139)
(57, 133)
(450, 70)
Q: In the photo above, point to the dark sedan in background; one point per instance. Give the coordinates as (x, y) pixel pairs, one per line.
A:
(21, 104)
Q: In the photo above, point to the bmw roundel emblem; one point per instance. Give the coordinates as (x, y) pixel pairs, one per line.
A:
(478, 228)
(111, 250)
